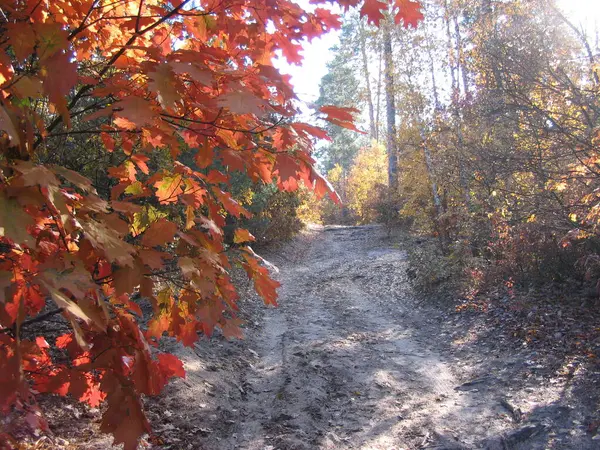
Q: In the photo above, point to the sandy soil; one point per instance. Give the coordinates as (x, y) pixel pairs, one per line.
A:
(351, 360)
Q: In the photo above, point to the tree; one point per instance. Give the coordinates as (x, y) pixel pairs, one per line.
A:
(102, 102)
(367, 176)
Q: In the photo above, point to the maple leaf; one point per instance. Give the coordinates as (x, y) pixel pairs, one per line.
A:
(322, 187)
(93, 396)
(140, 161)
(240, 101)
(187, 266)
(317, 132)
(159, 233)
(152, 258)
(241, 235)
(170, 365)
(57, 87)
(342, 117)
(64, 302)
(168, 188)
(28, 86)
(409, 13)
(188, 334)
(231, 329)
(372, 9)
(266, 287)
(74, 178)
(124, 418)
(105, 239)
(63, 340)
(14, 221)
(21, 38)
(201, 75)
(287, 168)
(157, 326)
(137, 112)
(127, 278)
(8, 124)
(162, 83)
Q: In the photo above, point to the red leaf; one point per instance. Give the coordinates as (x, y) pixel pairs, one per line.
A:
(41, 342)
(317, 132)
(58, 87)
(159, 233)
(137, 112)
(162, 83)
(170, 365)
(63, 340)
(232, 329)
(287, 168)
(409, 13)
(124, 418)
(373, 10)
(241, 101)
(93, 396)
(188, 334)
(140, 161)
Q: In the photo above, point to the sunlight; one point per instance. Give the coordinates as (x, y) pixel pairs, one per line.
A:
(585, 13)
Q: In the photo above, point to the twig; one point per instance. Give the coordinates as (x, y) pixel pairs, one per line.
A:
(35, 319)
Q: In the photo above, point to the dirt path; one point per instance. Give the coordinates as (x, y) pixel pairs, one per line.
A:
(349, 361)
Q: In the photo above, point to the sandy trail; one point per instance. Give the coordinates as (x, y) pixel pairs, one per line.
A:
(343, 362)
(346, 361)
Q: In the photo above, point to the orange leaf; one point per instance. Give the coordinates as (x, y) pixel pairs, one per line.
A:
(159, 233)
(188, 334)
(168, 188)
(241, 235)
(136, 111)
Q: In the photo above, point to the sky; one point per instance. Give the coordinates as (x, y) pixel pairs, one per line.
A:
(307, 77)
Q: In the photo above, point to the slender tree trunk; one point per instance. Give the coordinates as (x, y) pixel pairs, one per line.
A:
(365, 61)
(454, 68)
(460, 54)
(436, 97)
(429, 165)
(390, 107)
(380, 50)
(437, 201)
(439, 222)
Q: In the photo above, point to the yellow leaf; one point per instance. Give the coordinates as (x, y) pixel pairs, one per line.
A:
(242, 235)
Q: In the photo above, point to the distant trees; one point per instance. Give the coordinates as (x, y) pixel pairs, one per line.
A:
(497, 124)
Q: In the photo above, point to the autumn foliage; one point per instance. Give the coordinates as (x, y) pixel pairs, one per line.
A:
(99, 103)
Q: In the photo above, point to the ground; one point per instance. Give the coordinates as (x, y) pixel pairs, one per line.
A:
(352, 359)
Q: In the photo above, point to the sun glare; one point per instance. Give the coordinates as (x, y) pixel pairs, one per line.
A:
(583, 13)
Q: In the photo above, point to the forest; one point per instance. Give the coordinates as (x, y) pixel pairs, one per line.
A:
(487, 114)
(424, 236)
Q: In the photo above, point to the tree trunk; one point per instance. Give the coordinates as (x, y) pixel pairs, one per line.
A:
(454, 67)
(380, 50)
(390, 107)
(365, 61)
(460, 66)
(439, 222)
